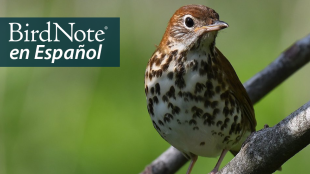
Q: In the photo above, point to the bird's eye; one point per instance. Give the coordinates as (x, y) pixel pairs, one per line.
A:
(189, 22)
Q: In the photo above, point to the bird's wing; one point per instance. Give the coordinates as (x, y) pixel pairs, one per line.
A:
(240, 93)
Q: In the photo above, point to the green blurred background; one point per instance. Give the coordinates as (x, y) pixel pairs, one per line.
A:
(95, 121)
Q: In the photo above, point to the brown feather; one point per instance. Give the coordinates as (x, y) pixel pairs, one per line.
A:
(240, 93)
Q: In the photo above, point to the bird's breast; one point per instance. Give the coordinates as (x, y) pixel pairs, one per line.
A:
(190, 103)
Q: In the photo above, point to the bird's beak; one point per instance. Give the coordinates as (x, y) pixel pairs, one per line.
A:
(218, 25)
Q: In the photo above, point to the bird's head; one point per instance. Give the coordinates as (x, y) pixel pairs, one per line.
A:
(190, 26)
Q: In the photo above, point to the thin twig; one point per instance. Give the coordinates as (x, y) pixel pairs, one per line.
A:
(284, 66)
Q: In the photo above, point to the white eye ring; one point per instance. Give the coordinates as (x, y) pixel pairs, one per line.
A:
(188, 21)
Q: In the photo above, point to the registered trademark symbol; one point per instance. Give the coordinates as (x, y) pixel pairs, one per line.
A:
(106, 27)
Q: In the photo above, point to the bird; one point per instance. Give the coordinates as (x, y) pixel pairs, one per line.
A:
(194, 97)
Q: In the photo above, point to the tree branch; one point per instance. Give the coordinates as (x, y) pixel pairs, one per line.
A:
(284, 66)
(266, 150)
(257, 87)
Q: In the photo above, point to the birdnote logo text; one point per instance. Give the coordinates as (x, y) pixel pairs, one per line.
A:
(42, 52)
(60, 42)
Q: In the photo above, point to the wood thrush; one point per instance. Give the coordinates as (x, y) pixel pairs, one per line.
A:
(194, 97)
